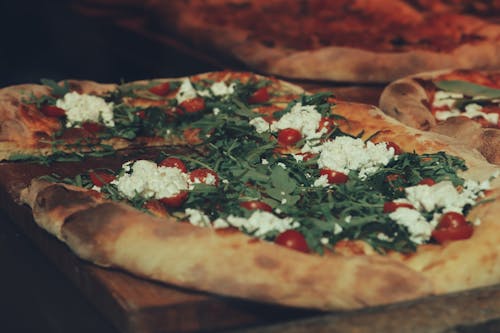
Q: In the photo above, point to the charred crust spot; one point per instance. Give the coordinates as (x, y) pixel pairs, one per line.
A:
(403, 89)
(425, 125)
(91, 224)
(14, 102)
(59, 196)
(75, 86)
(266, 262)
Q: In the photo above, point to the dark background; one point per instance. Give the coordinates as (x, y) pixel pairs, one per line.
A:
(47, 39)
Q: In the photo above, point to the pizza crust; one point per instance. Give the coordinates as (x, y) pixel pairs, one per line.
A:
(406, 100)
(228, 262)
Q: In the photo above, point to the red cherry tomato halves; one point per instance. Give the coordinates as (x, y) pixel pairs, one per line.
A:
(256, 205)
(172, 162)
(161, 89)
(261, 95)
(452, 226)
(334, 177)
(293, 240)
(289, 136)
(99, 178)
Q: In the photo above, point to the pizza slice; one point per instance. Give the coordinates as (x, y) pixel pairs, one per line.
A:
(295, 206)
(72, 119)
(463, 104)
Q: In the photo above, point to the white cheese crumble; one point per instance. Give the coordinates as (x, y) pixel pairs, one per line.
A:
(222, 89)
(197, 217)
(440, 198)
(442, 195)
(83, 108)
(445, 98)
(419, 229)
(322, 181)
(149, 180)
(260, 223)
(304, 118)
(344, 154)
(186, 91)
(472, 110)
(260, 124)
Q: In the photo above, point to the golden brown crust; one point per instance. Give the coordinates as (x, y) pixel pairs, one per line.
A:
(407, 101)
(113, 234)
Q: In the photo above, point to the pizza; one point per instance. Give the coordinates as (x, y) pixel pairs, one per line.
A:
(346, 41)
(72, 119)
(462, 104)
(275, 195)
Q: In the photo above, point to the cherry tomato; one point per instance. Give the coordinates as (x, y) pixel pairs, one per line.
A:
(427, 181)
(327, 123)
(172, 162)
(261, 95)
(334, 177)
(202, 176)
(52, 111)
(141, 114)
(161, 89)
(391, 206)
(452, 226)
(305, 156)
(289, 136)
(92, 127)
(176, 200)
(99, 178)
(256, 205)
(293, 240)
(192, 105)
(393, 145)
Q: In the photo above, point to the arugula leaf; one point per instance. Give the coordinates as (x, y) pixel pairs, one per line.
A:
(468, 88)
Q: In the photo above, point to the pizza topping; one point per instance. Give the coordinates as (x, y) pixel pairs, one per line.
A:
(52, 111)
(192, 105)
(344, 154)
(204, 176)
(161, 89)
(289, 137)
(148, 180)
(391, 206)
(256, 205)
(261, 223)
(173, 162)
(333, 177)
(85, 108)
(99, 178)
(303, 118)
(293, 240)
(260, 124)
(197, 217)
(261, 95)
(186, 91)
(418, 227)
(452, 226)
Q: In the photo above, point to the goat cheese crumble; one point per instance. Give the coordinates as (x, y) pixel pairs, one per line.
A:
(83, 108)
(345, 154)
(147, 179)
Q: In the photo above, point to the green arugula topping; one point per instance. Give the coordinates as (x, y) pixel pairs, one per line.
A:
(468, 88)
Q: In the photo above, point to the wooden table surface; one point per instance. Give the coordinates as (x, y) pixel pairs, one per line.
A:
(45, 288)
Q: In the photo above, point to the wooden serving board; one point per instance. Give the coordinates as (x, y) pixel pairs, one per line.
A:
(135, 305)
